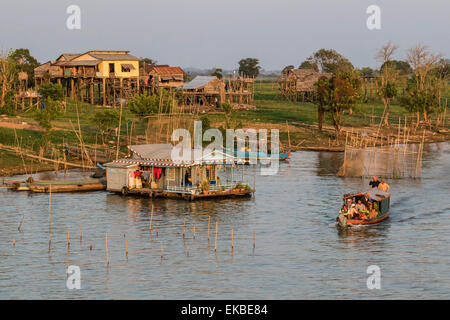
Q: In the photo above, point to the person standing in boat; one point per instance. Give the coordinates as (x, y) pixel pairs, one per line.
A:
(383, 186)
(374, 183)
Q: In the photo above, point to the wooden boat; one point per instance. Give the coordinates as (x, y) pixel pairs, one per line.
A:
(43, 186)
(380, 199)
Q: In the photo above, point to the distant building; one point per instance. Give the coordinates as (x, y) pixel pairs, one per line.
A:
(299, 84)
(164, 76)
(116, 73)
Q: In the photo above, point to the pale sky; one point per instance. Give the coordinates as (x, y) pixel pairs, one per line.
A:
(218, 33)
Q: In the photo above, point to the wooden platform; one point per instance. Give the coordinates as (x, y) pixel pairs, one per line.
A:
(159, 193)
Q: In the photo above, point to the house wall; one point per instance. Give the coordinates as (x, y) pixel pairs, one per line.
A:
(104, 68)
(117, 178)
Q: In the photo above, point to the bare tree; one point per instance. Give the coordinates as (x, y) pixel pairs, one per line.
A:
(422, 60)
(387, 88)
(7, 76)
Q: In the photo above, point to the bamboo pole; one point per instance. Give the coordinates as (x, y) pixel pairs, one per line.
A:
(14, 243)
(118, 133)
(68, 239)
(215, 242)
(107, 253)
(194, 231)
(232, 239)
(162, 251)
(50, 217)
(21, 222)
(209, 222)
(81, 233)
(184, 227)
(151, 220)
(126, 248)
(254, 238)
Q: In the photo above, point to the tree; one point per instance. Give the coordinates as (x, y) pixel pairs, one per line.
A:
(336, 95)
(228, 109)
(323, 98)
(442, 69)
(401, 67)
(345, 94)
(50, 111)
(50, 90)
(144, 104)
(217, 72)
(8, 77)
(309, 65)
(25, 62)
(106, 121)
(423, 95)
(147, 61)
(328, 60)
(388, 74)
(421, 102)
(367, 72)
(249, 67)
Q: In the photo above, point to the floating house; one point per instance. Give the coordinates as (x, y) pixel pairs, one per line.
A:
(152, 171)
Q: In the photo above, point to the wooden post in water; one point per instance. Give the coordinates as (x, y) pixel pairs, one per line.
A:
(209, 222)
(215, 242)
(50, 218)
(126, 248)
(194, 231)
(81, 233)
(14, 243)
(253, 239)
(68, 239)
(107, 254)
(151, 219)
(232, 239)
(184, 227)
(161, 251)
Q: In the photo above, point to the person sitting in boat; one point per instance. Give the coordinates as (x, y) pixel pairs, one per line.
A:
(372, 212)
(360, 206)
(344, 210)
(352, 212)
(349, 203)
(374, 182)
(383, 186)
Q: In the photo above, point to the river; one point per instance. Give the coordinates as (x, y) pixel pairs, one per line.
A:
(298, 254)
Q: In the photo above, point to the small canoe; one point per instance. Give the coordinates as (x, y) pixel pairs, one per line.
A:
(379, 199)
(44, 186)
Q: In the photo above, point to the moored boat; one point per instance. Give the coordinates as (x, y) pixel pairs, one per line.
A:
(45, 186)
(380, 201)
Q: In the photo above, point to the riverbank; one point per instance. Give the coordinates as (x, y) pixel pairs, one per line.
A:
(76, 130)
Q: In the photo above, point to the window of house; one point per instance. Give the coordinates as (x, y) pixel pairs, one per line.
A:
(125, 68)
(111, 68)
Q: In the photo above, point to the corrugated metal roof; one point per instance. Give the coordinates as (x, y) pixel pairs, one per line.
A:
(198, 82)
(78, 63)
(166, 70)
(162, 155)
(113, 56)
(153, 151)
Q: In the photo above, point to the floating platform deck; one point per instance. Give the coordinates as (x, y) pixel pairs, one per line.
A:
(160, 193)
